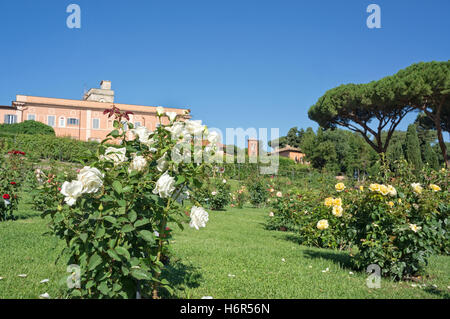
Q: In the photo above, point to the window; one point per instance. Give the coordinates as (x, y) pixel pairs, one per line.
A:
(62, 121)
(72, 121)
(10, 119)
(137, 124)
(95, 124)
(125, 125)
(51, 120)
(31, 117)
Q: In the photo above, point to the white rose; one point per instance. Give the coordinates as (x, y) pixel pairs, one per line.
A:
(143, 134)
(224, 181)
(178, 131)
(160, 110)
(214, 193)
(199, 217)
(213, 137)
(137, 164)
(162, 163)
(72, 191)
(116, 155)
(91, 178)
(195, 127)
(172, 116)
(165, 186)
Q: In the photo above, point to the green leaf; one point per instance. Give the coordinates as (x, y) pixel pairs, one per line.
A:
(94, 261)
(132, 216)
(103, 287)
(122, 203)
(113, 254)
(127, 228)
(83, 237)
(123, 252)
(180, 179)
(141, 222)
(147, 236)
(139, 274)
(100, 232)
(110, 219)
(117, 186)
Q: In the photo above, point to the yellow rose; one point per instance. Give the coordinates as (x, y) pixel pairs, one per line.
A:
(399, 200)
(435, 188)
(416, 188)
(339, 187)
(391, 204)
(337, 202)
(384, 190)
(322, 224)
(337, 211)
(329, 201)
(361, 188)
(374, 187)
(392, 191)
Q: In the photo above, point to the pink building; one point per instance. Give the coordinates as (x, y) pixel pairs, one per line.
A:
(81, 119)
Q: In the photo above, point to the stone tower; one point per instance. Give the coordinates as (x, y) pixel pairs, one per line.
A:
(103, 94)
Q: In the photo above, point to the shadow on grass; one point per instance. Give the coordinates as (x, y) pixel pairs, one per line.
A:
(181, 276)
(438, 292)
(340, 258)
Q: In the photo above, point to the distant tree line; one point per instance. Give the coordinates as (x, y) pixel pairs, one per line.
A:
(346, 152)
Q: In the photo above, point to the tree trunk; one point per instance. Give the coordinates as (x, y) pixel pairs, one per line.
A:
(441, 141)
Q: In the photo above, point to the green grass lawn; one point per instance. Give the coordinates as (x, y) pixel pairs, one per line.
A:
(233, 257)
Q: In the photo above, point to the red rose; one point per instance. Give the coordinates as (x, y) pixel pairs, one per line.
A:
(6, 196)
(13, 183)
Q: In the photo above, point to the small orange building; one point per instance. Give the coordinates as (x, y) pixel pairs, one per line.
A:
(292, 153)
(81, 119)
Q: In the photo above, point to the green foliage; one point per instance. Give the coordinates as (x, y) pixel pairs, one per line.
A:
(257, 190)
(240, 197)
(422, 86)
(338, 151)
(13, 168)
(49, 147)
(214, 193)
(413, 147)
(26, 127)
(116, 226)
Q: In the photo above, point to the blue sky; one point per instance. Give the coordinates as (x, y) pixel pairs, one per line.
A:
(234, 63)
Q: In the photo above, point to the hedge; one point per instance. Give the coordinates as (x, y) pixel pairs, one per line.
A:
(47, 147)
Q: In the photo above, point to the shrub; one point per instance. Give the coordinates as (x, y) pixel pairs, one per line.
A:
(50, 147)
(240, 197)
(257, 190)
(114, 216)
(12, 175)
(215, 193)
(27, 127)
(399, 230)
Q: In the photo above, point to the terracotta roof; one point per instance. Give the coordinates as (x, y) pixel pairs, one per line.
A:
(287, 148)
(91, 104)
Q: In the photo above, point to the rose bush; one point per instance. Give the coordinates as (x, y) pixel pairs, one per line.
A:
(257, 191)
(214, 193)
(13, 169)
(114, 214)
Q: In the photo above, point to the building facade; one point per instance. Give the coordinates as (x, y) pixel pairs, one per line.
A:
(81, 119)
(293, 153)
